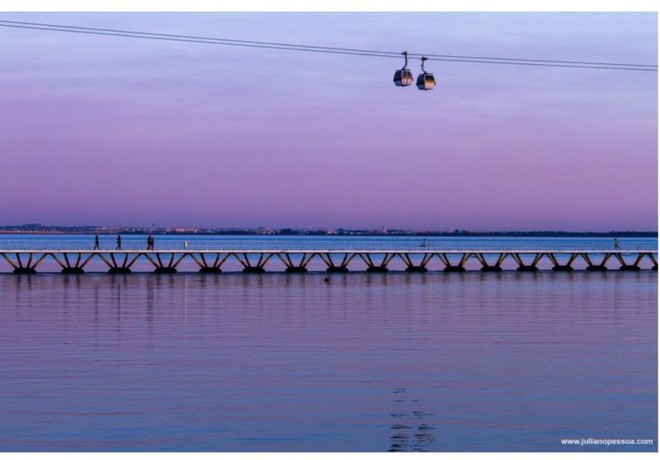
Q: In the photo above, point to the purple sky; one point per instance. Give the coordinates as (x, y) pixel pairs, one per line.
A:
(119, 131)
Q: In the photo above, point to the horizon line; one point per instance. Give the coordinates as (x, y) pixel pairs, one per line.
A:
(39, 228)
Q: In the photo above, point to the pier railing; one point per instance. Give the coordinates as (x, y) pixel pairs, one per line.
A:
(26, 261)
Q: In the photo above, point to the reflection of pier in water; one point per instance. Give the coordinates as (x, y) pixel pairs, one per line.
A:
(412, 430)
(300, 261)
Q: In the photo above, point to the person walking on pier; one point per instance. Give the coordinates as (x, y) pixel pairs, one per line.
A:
(617, 246)
(118, 242)
(97, 244)
(150, 243)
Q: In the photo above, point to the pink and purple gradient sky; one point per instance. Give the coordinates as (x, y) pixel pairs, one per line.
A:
(117, 131)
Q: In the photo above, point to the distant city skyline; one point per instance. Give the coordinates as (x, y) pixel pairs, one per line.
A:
(86, 228)
(101, 130)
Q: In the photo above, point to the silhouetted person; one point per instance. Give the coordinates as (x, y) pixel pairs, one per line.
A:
(617, 246)
(150, 243)
(118, 242)
(97, 244)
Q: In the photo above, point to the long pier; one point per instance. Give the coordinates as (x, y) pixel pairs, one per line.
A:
(72, 261)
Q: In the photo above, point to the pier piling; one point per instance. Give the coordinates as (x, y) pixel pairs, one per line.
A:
(300, 261)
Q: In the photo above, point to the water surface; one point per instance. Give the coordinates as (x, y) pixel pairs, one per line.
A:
(357, 362)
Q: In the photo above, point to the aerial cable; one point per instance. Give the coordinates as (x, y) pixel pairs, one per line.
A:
(196, 39)
(328, 49)
(549, 61)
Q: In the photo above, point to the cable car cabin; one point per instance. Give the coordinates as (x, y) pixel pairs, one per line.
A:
(403, 77)
(425, 81)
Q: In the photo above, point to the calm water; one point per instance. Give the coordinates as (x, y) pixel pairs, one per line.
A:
(357, 362)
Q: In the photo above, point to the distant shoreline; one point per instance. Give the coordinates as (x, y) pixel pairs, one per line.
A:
(35, 229)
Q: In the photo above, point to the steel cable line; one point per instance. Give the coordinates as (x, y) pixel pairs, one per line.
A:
(550, 61)
(192, 37)
(210, 41)
(327, 49)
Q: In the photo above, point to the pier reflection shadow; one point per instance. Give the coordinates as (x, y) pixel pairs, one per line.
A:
(412, 430)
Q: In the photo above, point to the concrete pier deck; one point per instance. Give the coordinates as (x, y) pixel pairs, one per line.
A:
(74, 261)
